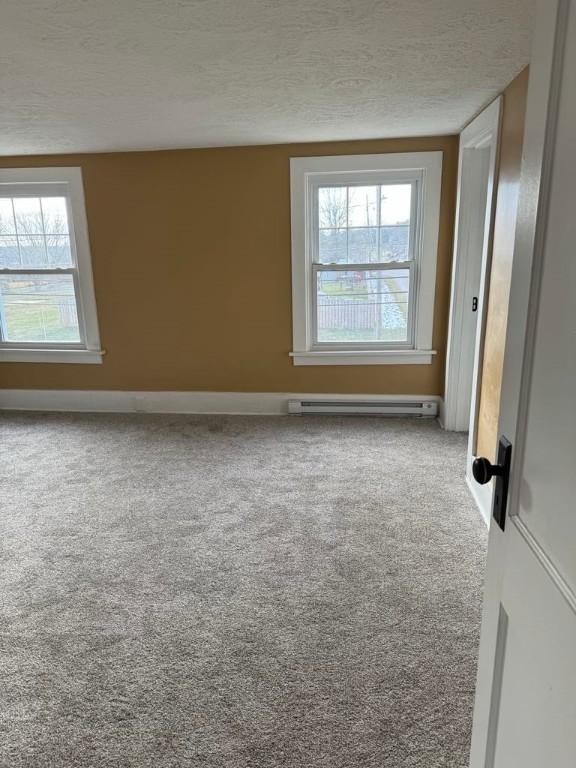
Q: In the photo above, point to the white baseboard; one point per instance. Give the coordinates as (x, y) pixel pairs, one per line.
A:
(108, 401)
(482, 495)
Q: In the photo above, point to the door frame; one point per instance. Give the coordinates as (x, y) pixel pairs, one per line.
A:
(465, 340)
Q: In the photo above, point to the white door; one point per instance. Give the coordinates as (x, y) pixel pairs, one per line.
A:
(525, 712)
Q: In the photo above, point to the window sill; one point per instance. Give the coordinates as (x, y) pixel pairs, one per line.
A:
(35, 355)
(365, 357)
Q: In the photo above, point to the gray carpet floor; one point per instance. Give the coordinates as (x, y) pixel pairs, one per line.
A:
(236, 592)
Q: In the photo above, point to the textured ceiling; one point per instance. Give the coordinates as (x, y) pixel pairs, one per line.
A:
(96, 75)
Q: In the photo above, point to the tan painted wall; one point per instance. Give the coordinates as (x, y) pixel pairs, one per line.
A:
(501, 270)
(191, 258)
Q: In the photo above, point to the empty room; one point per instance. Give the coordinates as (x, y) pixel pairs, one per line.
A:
(286, 356)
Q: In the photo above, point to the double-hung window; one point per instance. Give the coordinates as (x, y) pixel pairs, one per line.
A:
(47, 304)
(364, 247)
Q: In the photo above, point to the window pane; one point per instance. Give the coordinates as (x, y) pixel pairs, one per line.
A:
(332, 247)
(7, 224)
(28, 215)
(394, 243)
(363, 305)
(43, 233)
(395, 203)
(9, 253)
(362, 206)
(363, 245)
(33, 251)
(58, 248)
(332, 211)
(38, 308)
(55, 215)
(364, 224)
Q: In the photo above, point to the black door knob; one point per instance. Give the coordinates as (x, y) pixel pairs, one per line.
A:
(484, 471)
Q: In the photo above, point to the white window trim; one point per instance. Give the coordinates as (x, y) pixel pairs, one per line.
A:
(305, 174)
(88, 350)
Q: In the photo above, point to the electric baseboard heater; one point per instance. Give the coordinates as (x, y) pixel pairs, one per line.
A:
(422, 408)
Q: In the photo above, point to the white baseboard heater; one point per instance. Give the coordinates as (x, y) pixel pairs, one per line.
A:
(422, 408)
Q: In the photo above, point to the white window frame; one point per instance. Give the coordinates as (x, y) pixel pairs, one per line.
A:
(421, 169)
(65, 182)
